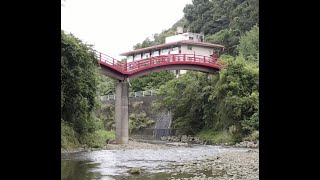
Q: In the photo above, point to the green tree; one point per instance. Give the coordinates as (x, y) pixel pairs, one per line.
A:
(106, 85)
(249, 45)
(146, 43)
(245, 15)
(234, 94)
(151, 81)
(184, 98)
(200, 101)
(79, 80)
(228, 37)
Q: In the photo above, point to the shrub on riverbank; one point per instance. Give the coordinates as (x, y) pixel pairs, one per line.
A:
(254, 136)
(216, 137)
(70, 139)
(110, 135)
(68, 136)
(92, 140)
(97, 139)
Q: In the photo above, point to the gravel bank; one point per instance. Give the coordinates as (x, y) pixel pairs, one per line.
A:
(230, 165)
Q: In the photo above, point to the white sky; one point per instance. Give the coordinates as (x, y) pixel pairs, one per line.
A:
(115, 26)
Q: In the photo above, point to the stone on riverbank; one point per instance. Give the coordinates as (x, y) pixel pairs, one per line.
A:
(247, 144)
(134, 171)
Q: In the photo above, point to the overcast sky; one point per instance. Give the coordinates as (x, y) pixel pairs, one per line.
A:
(114, 26)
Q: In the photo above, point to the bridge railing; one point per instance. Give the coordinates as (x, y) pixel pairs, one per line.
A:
(143, 93)
(167, 59)
(132, 94)
(162, 59)
(111, 61)
(108, 97)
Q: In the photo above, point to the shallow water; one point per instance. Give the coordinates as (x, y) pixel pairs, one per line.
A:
(114, 164)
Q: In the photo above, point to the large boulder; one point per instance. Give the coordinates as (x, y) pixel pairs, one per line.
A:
(184, 138)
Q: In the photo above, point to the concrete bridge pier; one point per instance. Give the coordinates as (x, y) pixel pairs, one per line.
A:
(121, 112)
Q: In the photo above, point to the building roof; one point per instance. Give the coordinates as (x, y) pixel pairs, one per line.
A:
(188, 42)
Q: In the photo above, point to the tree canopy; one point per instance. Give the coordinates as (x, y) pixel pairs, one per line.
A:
(79, 81)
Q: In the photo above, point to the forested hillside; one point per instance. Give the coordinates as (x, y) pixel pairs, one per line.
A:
(222, 107)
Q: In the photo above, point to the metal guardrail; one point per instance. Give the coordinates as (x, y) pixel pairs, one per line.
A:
(132, 94)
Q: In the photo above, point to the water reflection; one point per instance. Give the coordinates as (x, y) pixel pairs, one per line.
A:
(84, 170)
(78, 170)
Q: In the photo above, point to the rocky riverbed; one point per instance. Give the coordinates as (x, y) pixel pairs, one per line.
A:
(196, 140)
(235, 165)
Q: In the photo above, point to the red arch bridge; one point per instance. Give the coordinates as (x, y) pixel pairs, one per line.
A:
(122, 71)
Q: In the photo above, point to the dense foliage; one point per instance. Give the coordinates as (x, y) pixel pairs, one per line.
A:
(106, 85)
(227, 102)
(78, 83)
(249, 45)
(222, 21)
(151, 81)
(79, 90)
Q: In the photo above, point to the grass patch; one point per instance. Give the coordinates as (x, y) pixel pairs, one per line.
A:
(70, 139)
(254, 136)
(111, 135)
(216, 137)
(97, 139)
(92, 140)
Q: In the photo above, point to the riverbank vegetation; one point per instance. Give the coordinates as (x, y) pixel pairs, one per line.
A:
(79, 89)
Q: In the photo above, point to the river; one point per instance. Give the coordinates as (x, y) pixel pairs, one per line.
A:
(156, 161)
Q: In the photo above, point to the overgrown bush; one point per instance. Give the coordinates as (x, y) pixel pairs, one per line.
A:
(68, 136)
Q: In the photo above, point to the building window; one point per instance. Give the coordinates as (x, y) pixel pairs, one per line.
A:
(190, 38)
(189, 47)
(155, 53)
(137, 56)
(164, 51)
(175, 49)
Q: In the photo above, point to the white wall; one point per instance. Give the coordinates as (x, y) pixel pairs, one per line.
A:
(177, 37)
(174, 50)
(164, 51)
(155, 53)
(185, 36)
(137, 57)
(199, 50)
(146, 55)
(196, 37)
(129, 58)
